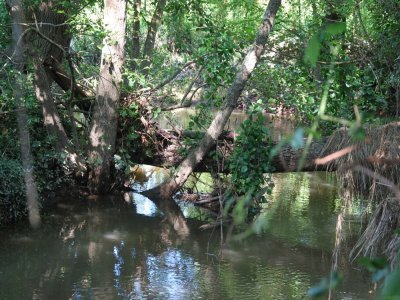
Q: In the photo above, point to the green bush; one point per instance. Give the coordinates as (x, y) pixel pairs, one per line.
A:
(12, 191)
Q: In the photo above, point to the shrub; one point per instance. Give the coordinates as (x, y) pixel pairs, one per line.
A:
(12, 191)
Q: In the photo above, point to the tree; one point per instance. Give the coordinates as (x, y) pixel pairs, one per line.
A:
(50, 38)
(18, 18)
(105, 117)
(250, 61)
(149, 43)
(151, 35)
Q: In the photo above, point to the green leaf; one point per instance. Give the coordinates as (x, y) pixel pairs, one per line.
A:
(373, 264)
(319, 290)
(391, 287)
(312, 51)
(335, 28)
(323, 287)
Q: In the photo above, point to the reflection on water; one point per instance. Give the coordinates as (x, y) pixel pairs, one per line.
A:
(179, 118)
(144, 206)
(117, 249)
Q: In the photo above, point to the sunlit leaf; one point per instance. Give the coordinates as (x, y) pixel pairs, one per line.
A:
(312, 51)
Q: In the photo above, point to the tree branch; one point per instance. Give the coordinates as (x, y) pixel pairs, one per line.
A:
(168, 80)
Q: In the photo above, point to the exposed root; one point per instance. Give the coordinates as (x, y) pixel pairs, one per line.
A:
(372, 170)
(379, 152)
(379, 237)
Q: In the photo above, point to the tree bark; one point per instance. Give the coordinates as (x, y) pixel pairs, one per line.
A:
(55, 71)
(104, 125)
(136, 33)
(50, 41)
(214, 131)
(151, 36)
(44, 51)
(51, 118)
(18, 18)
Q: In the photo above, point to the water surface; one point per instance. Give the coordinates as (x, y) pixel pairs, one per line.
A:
(279, 126)
(126, 248)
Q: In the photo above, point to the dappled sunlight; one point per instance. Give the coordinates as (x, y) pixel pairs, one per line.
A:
(148, 177)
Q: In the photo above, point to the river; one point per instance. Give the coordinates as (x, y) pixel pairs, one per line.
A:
(125, 248)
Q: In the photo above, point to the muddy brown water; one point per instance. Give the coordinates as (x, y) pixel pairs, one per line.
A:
(279, 126)
(125, 248)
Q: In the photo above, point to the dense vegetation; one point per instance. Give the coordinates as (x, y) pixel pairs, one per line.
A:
(83, 81)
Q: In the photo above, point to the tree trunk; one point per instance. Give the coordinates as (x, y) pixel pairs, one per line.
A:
(50, 43)
(214, 131)
(136, 33)
(51, 119)
(44, 51)
(57, 74)
(104, 125)
(17, 17)
(151, 35)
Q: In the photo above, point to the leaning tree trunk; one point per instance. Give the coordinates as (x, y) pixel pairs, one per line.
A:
(17, 17)
(51, 118)
(104, 125)
(50, 41)
(151, 35)
(214, 131)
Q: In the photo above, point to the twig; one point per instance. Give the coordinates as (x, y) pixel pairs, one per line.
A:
(195, 91)
(191, 85)
(168, 80)
(207, 200)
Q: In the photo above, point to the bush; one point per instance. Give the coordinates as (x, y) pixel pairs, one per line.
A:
(12, 191)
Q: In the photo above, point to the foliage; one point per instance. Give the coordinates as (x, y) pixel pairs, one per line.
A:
(216, 54)
(12, 191)
(359, 38)
(250, 161)
(250, 164)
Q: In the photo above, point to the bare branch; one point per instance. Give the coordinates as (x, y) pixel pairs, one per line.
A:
(168, 80)
(191, 85)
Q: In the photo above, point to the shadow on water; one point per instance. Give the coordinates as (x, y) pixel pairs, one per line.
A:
(133, 248)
